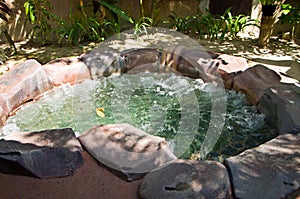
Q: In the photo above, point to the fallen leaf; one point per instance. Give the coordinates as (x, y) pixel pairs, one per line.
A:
(100, 112)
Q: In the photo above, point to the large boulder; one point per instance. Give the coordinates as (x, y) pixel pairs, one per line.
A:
(99, 61)
(184, 61)
(281, 105)
(44, 154)
(23, 83)
(127, 150)
(269, 171)
(136, 57)
(187, 179)
(254, 81)
(67, 70)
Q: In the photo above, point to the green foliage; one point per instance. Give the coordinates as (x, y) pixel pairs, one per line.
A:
(103, 22)
(117, 11)
(269, 2)
(182, 24)
(4, 12)
(142, 24)
(113, 15)
(85, 29)
(214, 27)
(290, 14)
(234, 24)
(38, 12)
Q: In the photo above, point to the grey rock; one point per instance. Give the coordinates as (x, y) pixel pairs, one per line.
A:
(127, 150)
(99, 61)
(187, 179)
(44, 154)
(269, 171)
(281, 105)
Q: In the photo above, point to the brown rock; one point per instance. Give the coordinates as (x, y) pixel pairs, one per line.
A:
(23, 83)
(227, 78)
(254, 81)
(89, 181)
(3, 113)
(233, 64)
(187, 179)
(137, 57)
(45, 154)
(126, 149)
(67, 70)
(3, 118)
(230, 67)
(281, 105)
(185, 62)
(269, 171)
(146, 68)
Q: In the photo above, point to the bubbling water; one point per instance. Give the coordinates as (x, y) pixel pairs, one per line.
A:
(149, 102)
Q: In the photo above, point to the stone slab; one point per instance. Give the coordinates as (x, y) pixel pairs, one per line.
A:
(269, 171)
(67, 70)
(126, 149)
(230, 67)
(281, 105)
(44, 154)
(234, 64)
(23, 83)
(187, 179)
(254, 81)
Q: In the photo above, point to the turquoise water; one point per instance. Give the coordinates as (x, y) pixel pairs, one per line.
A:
(179, 109)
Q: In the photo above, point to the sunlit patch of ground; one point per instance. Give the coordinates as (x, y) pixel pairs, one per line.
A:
(281, 55)
(42, 54)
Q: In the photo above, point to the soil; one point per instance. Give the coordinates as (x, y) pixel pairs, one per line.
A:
(93, 180)
(281, 55)
(89, 181)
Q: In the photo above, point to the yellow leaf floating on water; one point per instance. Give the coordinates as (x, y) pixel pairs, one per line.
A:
(100, 112)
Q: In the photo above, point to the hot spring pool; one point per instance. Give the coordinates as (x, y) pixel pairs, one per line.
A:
(159, 104)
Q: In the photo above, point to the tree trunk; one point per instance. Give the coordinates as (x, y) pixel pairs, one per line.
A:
(270, 15)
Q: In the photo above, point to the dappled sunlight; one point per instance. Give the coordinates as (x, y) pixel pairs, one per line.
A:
(43, 54)
(273, 164)
(281, 56)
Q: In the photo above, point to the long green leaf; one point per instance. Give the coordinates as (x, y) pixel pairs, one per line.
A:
(117, 11)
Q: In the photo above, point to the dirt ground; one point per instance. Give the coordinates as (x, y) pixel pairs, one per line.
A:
(281, 55)
(92, 180)
(89, 181)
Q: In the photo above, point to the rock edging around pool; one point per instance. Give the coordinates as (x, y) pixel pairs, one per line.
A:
(276, 162)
